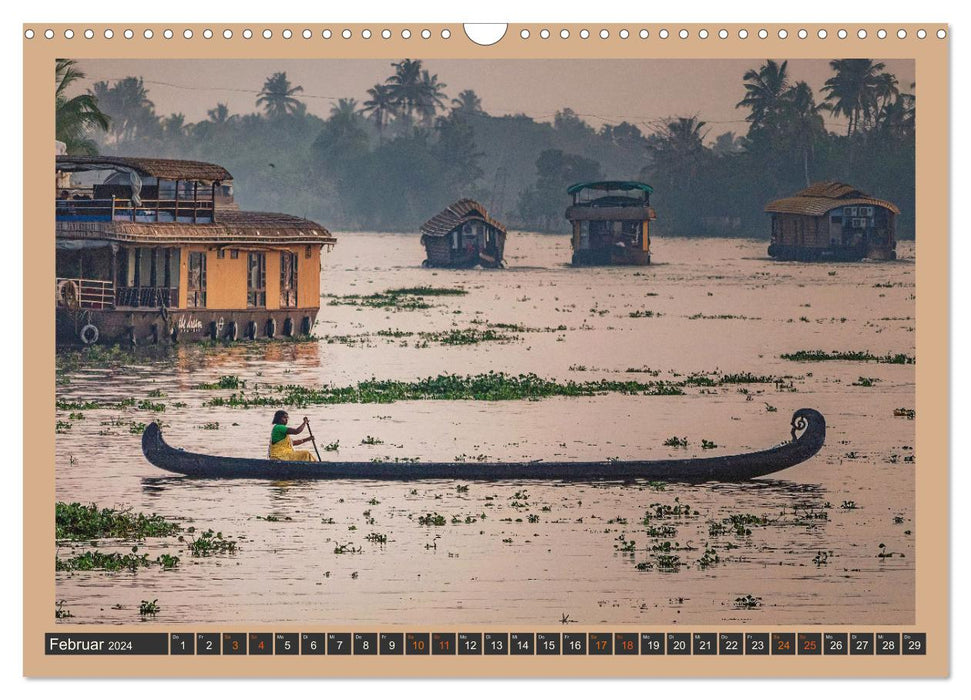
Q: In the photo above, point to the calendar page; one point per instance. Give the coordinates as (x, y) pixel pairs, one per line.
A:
(440, 350)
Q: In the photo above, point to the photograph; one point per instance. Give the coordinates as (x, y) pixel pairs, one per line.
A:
(551, 343)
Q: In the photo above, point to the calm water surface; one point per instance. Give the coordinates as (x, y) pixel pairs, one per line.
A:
(532, 552)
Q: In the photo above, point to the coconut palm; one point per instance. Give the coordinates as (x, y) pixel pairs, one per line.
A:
(75, 117)
(432, 97)
(277, 97)
(764, 91)
(132, 113)
(853, 91)
(467, 103)
(801, 125)
(174, 125)
(219, 114)
(405, 86)
(381, 107)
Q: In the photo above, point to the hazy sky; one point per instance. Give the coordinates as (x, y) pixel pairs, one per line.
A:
(601, 91)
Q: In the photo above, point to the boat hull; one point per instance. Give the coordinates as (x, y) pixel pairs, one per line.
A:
(808, 432)
(158, 327)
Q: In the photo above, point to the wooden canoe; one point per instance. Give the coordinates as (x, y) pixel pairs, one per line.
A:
(808, 432)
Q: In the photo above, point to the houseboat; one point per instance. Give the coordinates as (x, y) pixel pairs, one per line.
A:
(152, 250)
(611, 222)
(832, 221)
(463, 235)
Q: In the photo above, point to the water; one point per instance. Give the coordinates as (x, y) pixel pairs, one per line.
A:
(552, 551)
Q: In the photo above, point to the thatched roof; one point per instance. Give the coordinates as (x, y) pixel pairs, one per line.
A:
(161, 168)
(457, 214)
(244, 227)
(610, 185)
(822, 197)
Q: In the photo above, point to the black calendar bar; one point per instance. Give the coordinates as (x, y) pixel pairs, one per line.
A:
(375, 645)
(107, 644)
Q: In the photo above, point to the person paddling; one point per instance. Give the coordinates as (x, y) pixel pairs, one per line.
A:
(281, 446)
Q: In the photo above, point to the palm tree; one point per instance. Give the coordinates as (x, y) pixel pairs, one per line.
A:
(854, 90)
(764, 91)
(174, 125)
(802, 124)
(277, 97)
(219, 114)
(405, 86)
(132, 113)
(467, 103)
(886, 89)
(75, 117)
(381, 106)
(344, 114)
(432, 97)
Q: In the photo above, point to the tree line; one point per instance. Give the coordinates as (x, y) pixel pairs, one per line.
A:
(408, 150)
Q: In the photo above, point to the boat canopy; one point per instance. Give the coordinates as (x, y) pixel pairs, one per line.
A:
(610, 185)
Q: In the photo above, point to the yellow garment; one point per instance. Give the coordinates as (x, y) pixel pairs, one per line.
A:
(284, 450)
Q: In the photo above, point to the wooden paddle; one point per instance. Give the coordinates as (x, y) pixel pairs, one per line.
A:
(314, 441)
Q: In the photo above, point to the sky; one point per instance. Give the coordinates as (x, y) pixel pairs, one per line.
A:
(641, 91)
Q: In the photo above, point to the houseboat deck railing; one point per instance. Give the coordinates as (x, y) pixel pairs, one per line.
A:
(151, 297)
(146, 211)
(85, 294)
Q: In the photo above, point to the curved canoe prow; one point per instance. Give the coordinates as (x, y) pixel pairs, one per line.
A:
(808, 431)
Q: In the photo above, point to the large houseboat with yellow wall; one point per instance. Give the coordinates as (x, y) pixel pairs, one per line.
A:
(611, 222)
(154, 250)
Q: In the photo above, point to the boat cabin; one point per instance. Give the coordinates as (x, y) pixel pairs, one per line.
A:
(611, 222)
(463, 235)
(832, 221)
(152, 250)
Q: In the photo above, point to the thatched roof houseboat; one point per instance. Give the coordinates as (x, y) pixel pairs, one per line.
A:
(832, 221)
(463, 235)
(611, 222)
(150, 250)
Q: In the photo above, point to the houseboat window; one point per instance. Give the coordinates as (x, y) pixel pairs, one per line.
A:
(234, 255)
(455, 239)
(836, 219)
(221, 253)
(256, 280)
(197, 280)
(288, 279)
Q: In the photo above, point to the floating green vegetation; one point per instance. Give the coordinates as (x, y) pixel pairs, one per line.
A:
(147, 405)
(146, 608)
(395, 333)
(709, 558)
(491, 386)
(101, 561)
(346, 549)
(428, 291)
(865, 381)
(708, 445)
(371, 440)
(401, 299)
(62, 426)
(643, 313)
(74, 521)
(230, 381)
(466, 336)
(905, 413)
(377, 537)
(209, 543)
(851, 356)
(60, 612)
(676, 442)
(95, 405)
(210, 426)
(748, 602)
(723, 317)
(659, 511)
(431, 519)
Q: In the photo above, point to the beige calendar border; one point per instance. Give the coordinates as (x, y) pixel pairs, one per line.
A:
(931, 54)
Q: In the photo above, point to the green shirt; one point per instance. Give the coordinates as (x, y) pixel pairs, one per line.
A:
(278, 433)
